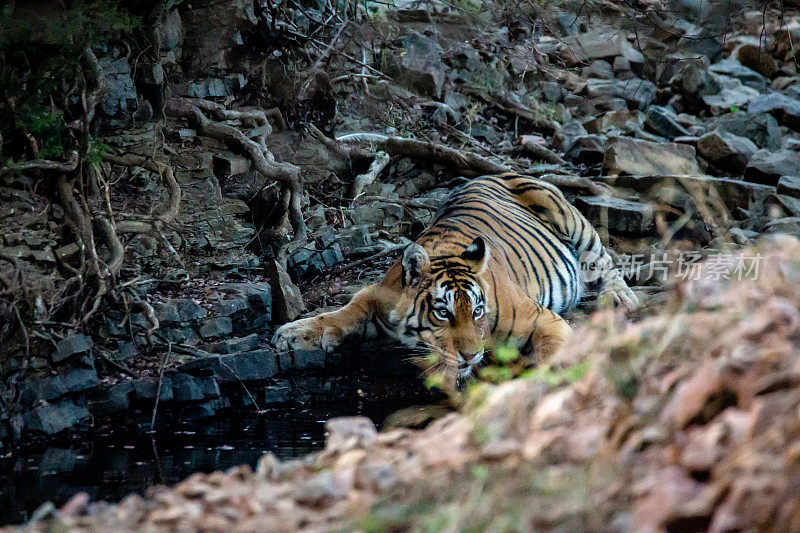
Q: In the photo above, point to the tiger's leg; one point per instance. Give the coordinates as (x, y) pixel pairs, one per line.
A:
(548, 205)
(328, 330)
(540, 331)
(550, 332)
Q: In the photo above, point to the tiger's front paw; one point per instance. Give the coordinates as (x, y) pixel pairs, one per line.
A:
(616, 292)
(307, 334)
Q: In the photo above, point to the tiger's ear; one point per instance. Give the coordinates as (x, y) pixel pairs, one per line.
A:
(478, 255)
(415, 261)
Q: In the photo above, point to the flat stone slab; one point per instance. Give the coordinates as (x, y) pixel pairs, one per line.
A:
(622, 216)
(625, 155)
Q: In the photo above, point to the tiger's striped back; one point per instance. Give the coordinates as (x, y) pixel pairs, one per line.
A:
(539, 260)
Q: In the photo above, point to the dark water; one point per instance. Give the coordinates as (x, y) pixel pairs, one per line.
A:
(112, 466)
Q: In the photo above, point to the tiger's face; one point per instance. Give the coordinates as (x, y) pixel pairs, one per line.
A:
(443, 307)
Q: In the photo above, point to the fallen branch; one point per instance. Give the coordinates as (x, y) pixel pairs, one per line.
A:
(364, 180)
(386, 251)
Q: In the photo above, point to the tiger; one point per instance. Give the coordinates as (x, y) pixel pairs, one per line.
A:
(504, 256)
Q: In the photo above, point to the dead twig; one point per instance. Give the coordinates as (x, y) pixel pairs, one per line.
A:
(386, 251)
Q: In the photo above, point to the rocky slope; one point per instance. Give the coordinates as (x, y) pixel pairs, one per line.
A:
(674, 126)
(682, 421)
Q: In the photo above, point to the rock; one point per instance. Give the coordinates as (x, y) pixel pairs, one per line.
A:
(754, 57)
(227, 346)
(734, 193)
(761, 128)
(50, 418)
(790, 204)
(726, 150)
(636, 92)
(167, 312)
(601, 44)
(115, 399)
(732, 94)
(356, 237)
(346, 433)
(145, 389)
(287, 301)
(598, 69)
(663, 121)
(216, 327)
(789, 185)
(553, 92)
(48, 388)
(186, 388)
(169, 31)
(281, 393)
(588, 149)
(189, 310)
(307, 360)
(784, 108)
(692, 81)
(255, 365)
(768, 167)
(120, 99)
(71, 345)
(230, 306)
(622, 216)
(227, 164)
(80, 379)
(420, 66)
(566, 135)
(633, 156)
(734, 69)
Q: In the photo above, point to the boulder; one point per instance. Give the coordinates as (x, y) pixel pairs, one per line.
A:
(49, 419)
(287, 300)
(638, 93)
(726, 150)
(789, 186)
(732, 94)
(768, 167)
(241, 344)
(419, 65)
(734, 69)
(120, 98)
(623, 216)
(255, 365)
(761, 128)
(692, 81)
(663, 121)
(186, 388)
(784, 108)
(71, 345)
(566, 135)
(588, 149)
(216, 327)
(227, 164)
(633, 156)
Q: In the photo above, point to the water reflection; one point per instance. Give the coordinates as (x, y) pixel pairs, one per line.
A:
(110, 467)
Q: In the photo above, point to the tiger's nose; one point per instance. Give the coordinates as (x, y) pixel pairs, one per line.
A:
(470, 358)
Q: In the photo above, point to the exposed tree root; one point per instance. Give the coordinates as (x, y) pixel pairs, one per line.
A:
(70, 165)
(363, 180)
(286, 174)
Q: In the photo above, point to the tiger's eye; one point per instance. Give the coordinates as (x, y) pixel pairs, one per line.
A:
(478, 312)
(440, 314)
